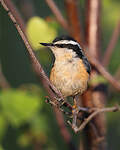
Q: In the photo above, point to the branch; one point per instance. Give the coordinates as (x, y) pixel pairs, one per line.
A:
(96, 112)
(111, 45)
(93, 26)
(58, 14)
(73, 16)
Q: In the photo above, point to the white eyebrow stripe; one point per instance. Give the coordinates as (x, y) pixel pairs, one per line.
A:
(67, 42)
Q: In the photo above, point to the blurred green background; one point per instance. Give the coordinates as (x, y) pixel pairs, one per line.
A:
(25, 119)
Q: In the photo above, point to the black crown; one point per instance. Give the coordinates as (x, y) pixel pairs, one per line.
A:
(63, 37)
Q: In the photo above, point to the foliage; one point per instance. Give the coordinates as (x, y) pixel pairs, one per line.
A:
(18, 106)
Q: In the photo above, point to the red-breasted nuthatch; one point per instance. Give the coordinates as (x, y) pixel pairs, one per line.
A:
(71, 69)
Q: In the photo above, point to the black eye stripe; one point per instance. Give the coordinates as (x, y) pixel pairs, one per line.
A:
(75, 48)
(69, 46)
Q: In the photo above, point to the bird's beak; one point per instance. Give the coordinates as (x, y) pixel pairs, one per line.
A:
(47, 44)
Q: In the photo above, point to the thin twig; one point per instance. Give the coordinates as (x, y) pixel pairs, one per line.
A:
(111, 45)
(96, 112)
(57, 14)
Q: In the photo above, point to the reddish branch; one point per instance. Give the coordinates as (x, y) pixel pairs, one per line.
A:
(97, 98)
(111, 45)
(57, 14)
(73, 17)
(92, 26)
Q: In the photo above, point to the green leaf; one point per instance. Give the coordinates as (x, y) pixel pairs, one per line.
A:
(19, 106)
(38, 30)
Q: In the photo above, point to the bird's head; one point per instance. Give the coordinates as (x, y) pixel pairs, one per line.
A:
(64, 44)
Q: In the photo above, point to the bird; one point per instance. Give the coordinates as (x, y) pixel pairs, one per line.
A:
(71, 69)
